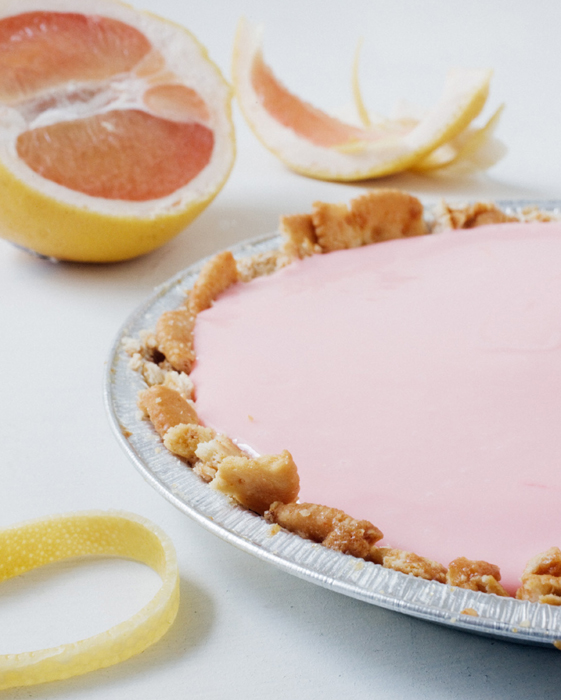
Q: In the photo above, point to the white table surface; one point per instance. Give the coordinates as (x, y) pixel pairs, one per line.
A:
(245, 629)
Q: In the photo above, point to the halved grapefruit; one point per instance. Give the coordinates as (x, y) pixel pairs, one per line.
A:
(115, 128)
(316, 144)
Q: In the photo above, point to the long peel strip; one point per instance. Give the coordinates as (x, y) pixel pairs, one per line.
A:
(39, 542)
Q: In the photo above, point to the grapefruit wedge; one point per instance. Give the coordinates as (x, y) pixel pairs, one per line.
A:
(115, 129)
(318, 145)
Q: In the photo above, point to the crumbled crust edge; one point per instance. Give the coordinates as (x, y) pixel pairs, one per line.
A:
(269, 484)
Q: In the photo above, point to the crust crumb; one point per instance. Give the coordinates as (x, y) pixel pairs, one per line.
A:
(377, 554)
(377, 216)
(475, 576)
(143, 346)
(184, 438)
(151, 372)
(217, 449)
(219, 273)
(469, 611)
(211, 453)
(180, 382)
(166, 408)
(529, 214)
(299, 234)
(331, 527)
(257, 482)
(206, 471)
(261, 264)
(132, 346)
(541, 580)
(410, 563)
(468, 216)
(174, 336)
(547, 563)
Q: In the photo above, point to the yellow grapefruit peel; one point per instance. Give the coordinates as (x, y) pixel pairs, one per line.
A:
(368, 118)
(467, 147)
(283, 122)
(357, 94)
(55, 220)
(39, 542)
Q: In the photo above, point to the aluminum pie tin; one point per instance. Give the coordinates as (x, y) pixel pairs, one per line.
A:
(500, 618)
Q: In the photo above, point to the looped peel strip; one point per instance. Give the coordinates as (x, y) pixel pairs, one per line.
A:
(36, 543)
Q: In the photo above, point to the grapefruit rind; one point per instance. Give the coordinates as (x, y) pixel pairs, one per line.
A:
(464, 95)
(39, 542)
(59, 222)
(469, 147)
(53, 228)
(359, 102)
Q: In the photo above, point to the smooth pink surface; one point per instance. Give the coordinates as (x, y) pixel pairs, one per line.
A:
(417, 383)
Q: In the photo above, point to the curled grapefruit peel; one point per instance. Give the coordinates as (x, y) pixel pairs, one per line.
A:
(316, 144)
(39, 542)
(115, 129)
(475, 148)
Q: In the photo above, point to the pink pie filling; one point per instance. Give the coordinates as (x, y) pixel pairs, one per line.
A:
(417, 384)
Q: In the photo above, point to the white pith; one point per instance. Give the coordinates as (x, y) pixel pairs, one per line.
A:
(184, 56)
(375, 157)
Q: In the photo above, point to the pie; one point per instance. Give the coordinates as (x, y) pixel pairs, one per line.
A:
(414, 382)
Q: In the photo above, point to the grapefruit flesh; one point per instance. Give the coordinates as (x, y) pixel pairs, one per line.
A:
(176, 102)
(39, 50)
(75, 153)
(303, 118)
(137, 144)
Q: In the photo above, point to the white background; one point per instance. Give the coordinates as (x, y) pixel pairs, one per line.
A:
(245, 629)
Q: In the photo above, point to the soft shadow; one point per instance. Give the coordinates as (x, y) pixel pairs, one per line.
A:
(371, 642)
(449, 185)
(192, 626)
(217, 228)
